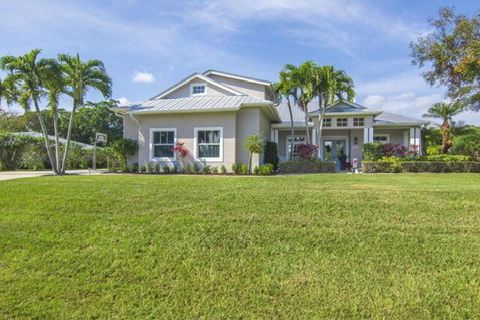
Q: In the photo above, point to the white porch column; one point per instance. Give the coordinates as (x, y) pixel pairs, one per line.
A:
(314, 135)
(275, 132)
(415, 139)
(367, 135)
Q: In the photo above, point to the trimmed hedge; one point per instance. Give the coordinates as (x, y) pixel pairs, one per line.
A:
(420, 166)
(307, 166)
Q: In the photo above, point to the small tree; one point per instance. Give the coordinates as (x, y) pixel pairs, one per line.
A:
(253, 144)
(124, 148)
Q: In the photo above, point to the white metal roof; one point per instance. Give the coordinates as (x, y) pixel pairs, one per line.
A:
(237, 76)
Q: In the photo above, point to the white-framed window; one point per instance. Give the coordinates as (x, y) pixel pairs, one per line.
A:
(382, 138)
(296, 141)
(198, 89)
(342, 122)
(327, 122)
(162, 142)
(358, 122)
(209, 144)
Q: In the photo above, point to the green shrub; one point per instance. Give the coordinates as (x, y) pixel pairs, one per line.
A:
(187, 169)
(167, 169)
(150, 167)
(306, 166)
(207, 169)
(446, 157)
(434, 149)
(256, 170)
(243, 169)
(271, 154)
(236, 168)
(133, 168)
(372, 151)
(124, 148)
(468, 145)
(223, 170)
(12, 148)
(196, 168)
(215, 170)
(266, 169)
(420, 166)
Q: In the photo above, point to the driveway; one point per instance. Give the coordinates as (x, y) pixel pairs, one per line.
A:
(9, 175)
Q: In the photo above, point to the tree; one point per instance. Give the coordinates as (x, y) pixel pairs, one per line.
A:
(80, 77)
(253, 144)
(29, 74)
(124, 148)
(284, 89)
(55, 86)
(331, 85)
(445, 112)
(452, 53)
(8, 92)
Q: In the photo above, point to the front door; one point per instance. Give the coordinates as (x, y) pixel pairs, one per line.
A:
(332, 149)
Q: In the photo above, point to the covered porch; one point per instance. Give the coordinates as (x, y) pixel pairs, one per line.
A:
(349, 140)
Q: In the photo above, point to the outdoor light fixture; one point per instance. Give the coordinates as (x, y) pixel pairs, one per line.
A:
(355, 140)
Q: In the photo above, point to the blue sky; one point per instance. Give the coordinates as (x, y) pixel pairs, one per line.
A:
(149, 45)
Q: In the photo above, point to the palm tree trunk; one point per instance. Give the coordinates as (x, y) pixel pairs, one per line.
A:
(306, 125)
(291, 129)
(250, 163)
(69, 134)
(45, 134)
(57, 145)
(446, 139)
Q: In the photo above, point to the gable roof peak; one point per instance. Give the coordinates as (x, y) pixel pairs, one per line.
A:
(237, 76)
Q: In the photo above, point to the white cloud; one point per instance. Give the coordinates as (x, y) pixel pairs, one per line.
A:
(123, 101)
(143, 77)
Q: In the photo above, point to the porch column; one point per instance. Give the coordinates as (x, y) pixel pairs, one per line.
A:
(314, 135)
(367, 135)
(415, 139)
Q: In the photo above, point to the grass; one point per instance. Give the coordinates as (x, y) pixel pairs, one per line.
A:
(313, 246)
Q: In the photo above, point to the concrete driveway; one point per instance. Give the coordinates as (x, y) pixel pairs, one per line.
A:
(9, 175)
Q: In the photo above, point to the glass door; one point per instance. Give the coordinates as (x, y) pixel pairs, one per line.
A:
(335, 150)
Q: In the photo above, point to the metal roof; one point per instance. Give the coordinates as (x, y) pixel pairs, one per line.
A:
(238, 76)
(388, 118)
(195, 104)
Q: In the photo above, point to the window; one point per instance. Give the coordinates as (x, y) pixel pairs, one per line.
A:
(209, 144)
(382, 138)
(198, 89)
(162, 142)
(327, 122)
(358, 122)
(342, 122)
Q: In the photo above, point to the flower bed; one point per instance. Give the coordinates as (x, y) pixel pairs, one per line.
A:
(307, 166)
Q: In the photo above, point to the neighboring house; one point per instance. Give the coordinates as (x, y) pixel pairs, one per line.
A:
(212, 113)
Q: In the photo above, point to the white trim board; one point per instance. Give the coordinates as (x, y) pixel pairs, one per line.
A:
(195, 144)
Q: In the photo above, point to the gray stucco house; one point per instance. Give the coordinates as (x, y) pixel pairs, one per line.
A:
(213, 112)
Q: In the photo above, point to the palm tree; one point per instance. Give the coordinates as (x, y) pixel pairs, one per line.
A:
(80, 77)
(284, 89)
(445, 112)
(303, 79)
(8, 92)
(330, 86)
(29, 73)
(55, 86)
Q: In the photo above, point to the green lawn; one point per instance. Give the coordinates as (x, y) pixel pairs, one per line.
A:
(313, 246)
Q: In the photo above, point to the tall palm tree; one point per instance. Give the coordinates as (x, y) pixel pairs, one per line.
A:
(55, 86)
(80, 77)
(330, 86)
(8, 92)
(304, 78)
(285, 88)
(29, 73)
(445, 112)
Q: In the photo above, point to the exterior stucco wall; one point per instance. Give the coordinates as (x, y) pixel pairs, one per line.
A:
(184, 91)
(251, 89)
(251, 121)
(396, 135)
(185, 124)
(130, 131)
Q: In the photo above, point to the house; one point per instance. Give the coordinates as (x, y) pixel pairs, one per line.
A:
(213, 112)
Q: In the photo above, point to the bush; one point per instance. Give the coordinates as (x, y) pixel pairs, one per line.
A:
(124, 148)
(195, 168)
(468, 145)
(420, 166)
(223, 170)
(207, 169)
(434, 149)
(265, 170)
(271, 154)
(215, 170)
(372, 151)
(12, 148)
(306, 151)
(150, 167)
(167, 169)
(187, 169)
(446, 157)
(304, 166)
(133, 168)
(394, 150)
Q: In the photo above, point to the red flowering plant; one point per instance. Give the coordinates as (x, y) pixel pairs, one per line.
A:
(306, 151)
(394, 150)
(181, 151)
